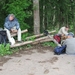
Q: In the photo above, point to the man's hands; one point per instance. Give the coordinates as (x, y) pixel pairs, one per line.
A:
(13, 30)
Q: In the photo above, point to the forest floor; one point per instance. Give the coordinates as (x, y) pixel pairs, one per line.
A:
(38, 60)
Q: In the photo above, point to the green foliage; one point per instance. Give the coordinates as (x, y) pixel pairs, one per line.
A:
(4, 50)
(52, 13)
(52, 44)
(28, 46)
(19, 8)
(32, 38)
(57, 13)
(24, 36)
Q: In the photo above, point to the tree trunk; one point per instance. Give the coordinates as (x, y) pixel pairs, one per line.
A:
(36, 17)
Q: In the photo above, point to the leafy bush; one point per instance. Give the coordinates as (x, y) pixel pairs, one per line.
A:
(24, 36)
(4, 50)
(32, 38)
(19, 8)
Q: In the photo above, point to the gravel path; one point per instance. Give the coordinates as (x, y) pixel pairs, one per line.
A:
(37, 62)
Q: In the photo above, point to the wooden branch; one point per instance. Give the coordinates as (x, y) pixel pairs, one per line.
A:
(41, 41)
(29, 42)
(38, 40)
(39, 35)
(23, 31)
(20, 44)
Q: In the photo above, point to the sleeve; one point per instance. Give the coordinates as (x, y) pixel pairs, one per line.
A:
(17, 25)
(64, 43)
(6, 25)
(64, 31)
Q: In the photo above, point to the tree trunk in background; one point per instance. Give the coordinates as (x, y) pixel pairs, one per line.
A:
(74, 16)
(36, 17)
(45, 18)
(41, 16)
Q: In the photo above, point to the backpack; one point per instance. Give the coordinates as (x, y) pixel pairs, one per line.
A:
(60, 50)
(3, 37)
(57, 38)
(46, 32)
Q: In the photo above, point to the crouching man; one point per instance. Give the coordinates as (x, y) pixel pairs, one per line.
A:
(70, 44)
(11, 25)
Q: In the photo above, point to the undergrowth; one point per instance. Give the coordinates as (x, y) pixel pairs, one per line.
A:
(5, 50)
(51, 44)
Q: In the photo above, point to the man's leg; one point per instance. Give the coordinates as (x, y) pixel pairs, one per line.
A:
(19, 34)
(8, 34)
(9, 37)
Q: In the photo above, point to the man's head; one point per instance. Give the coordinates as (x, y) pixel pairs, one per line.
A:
(67, 28)
(11, 17)
(70, 35)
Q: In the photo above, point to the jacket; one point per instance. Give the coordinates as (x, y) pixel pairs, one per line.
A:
(10, 24)
(62, 31)
(70, 45)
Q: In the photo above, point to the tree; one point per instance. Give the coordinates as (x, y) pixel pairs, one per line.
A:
(56, 13)
(36, 16)
(52, 14)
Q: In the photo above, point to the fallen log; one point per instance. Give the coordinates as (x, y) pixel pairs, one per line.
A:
(20, 44)
(23, 31)
(39, 40)
(46, 39)
(40, 35)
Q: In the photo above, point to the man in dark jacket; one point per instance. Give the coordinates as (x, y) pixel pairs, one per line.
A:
(11, 25)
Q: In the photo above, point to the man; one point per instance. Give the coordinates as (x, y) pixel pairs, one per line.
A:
(11, 25)
(70, 44)
(63, 30)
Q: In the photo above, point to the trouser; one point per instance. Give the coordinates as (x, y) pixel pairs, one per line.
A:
(10, 38)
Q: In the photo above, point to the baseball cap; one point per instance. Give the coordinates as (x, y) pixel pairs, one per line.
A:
(71, 34)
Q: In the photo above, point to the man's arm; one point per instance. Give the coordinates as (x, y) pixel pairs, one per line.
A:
(64, 42)
(17, 25)
(64, 31)
(6, 25)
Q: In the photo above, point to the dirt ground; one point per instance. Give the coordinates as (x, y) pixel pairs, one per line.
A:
(38, 60)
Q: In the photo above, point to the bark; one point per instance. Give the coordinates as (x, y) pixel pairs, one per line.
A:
(29, 42)
(40, 35)
(36, 17)
(39, 40)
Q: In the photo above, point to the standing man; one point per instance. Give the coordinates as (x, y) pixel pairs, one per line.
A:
(11, 25)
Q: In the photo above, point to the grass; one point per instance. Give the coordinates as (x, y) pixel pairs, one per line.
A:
(5, 49)
(52, 44)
